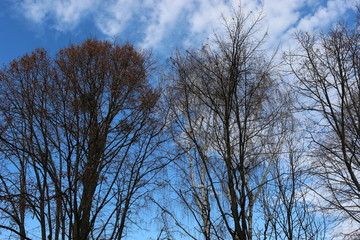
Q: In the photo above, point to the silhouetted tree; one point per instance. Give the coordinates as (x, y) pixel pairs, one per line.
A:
(78, 137)
(327, 69)
(230, 114)
(289, 209)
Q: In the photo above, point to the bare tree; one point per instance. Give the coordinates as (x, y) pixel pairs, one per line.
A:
(229, 112)
(327, 68)
(78, 135)
(289, 208)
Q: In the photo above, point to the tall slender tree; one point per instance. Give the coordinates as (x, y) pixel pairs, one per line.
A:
(327, 70)
(229, 112)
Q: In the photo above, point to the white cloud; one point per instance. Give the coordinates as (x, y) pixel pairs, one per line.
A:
(35, 10)
(279, 19)
(301, 15)
(325, 15)
(66, 14)
(69, 13)
(113, 16)
(163, 19)
(207, 16)
(191, 21)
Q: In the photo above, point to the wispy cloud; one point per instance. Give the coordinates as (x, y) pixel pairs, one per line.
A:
(70, 13)
(186, 20)
(325, 15)
(63, 15)
(35, 10)
(312, 16)
(113, 16)
(164, 19)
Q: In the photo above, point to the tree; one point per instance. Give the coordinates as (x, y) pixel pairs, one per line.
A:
(78, 139)
(230, 113)
(327, 68)
(289, 209)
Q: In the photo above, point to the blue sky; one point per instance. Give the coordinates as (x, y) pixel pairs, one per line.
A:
(158, 25)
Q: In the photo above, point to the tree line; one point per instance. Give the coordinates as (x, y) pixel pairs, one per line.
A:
(230, 146)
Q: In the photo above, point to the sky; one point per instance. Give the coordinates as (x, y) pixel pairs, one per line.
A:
(157, 25)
